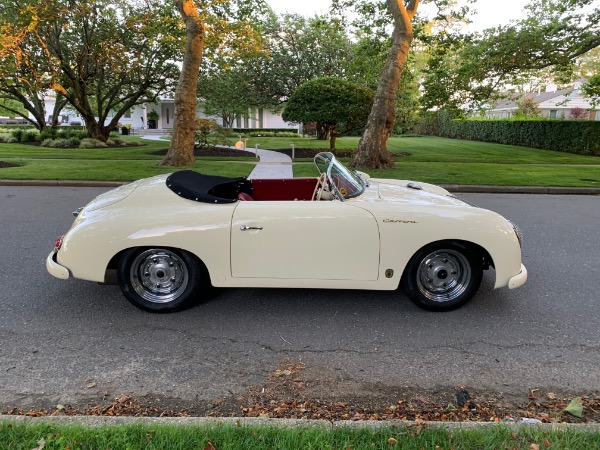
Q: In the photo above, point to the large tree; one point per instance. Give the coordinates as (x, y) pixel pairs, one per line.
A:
(183, 137)
(26, 72)
(336, 105)
(102, 56)
(224, 28)
(296, 49)
(555, 35)
(372, 149)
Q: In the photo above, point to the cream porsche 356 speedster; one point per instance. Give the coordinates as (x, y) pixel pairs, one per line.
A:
(166, 239)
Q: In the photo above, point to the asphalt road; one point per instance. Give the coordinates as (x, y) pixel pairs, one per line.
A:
(75, 341)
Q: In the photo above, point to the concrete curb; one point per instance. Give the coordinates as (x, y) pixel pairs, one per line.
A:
(472, 189)
(101, 421)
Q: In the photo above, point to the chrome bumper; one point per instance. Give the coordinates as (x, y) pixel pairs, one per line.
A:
(56, 269)
(519, 279)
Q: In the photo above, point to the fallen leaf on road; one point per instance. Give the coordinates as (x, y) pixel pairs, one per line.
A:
(575, 408)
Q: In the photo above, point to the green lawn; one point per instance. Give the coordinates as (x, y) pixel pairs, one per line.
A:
(221, 437)
(427, 159)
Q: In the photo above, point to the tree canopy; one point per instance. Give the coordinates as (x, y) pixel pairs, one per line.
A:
(336, 105)
(472, 69)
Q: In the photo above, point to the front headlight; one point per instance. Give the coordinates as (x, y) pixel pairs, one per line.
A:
(518, 232)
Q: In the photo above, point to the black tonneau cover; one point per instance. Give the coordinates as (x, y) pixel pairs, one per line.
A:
(207, 188)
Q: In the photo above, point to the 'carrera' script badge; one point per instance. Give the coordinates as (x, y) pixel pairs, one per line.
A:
(398, 221)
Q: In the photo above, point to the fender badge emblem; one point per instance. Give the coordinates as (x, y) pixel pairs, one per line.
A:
(398, 221)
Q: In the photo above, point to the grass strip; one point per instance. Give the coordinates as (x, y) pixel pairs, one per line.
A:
(428, 159)
(220, 437)
(105, 170)
(484, 174)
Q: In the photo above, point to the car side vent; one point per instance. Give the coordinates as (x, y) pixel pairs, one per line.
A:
(414, 186)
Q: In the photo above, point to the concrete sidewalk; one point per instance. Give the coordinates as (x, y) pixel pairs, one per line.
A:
(271, 164)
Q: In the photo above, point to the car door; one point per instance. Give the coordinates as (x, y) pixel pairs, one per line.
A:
(304, 240)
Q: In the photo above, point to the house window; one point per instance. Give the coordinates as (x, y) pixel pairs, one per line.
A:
(238, 121)
(127, 114)
(260, 118)
(553, 113)
(168, 115)
(246, 123)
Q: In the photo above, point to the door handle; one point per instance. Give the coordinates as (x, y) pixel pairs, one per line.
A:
(246, 228)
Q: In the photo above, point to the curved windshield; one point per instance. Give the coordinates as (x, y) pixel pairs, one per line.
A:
(345, 183)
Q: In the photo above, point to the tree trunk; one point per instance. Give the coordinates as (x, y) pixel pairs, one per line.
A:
(332, 136)
(372, 150)
(322, 132)
(181, 150)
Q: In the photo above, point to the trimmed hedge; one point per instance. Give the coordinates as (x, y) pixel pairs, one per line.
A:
(572, 136)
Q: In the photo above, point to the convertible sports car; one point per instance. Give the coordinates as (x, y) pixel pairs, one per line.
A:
(169, 237)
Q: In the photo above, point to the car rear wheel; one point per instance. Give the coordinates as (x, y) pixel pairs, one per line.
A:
(443, 276)
(160, 279)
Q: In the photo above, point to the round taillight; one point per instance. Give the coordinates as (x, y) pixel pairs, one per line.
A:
(58, 243)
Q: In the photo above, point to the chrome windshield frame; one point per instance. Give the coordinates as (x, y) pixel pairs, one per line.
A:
(352, 177)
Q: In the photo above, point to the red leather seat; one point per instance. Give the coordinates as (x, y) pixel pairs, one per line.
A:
(242, 196)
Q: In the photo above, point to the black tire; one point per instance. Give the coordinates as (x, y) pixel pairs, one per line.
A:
(160, 280)
(443, 276)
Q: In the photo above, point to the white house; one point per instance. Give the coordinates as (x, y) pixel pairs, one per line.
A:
(555, 104)
(140, 117)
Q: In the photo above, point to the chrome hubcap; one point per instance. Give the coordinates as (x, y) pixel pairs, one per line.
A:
(159, 276)
(443, 275)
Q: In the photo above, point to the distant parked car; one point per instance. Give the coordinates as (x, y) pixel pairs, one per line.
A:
(169, 236)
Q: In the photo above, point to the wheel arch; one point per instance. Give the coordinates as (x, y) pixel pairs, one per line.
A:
(110, 273)
(486, 259)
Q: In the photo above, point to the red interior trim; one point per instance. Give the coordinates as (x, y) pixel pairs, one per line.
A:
(286, 189)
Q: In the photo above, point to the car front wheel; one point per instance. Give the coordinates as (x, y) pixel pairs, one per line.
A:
(160, 279)
(443, 276)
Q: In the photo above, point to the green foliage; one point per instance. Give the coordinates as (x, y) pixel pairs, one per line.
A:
(102, 56)
(571, 136)
(18, 134)
(335, 104)
(474, 68)
(209, 133)
(59, 143)
(296, 49)
(527, 107)
(592, 90)
(12, 108)
(92, 143)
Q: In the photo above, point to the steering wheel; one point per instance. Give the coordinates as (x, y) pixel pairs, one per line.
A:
(320, 187)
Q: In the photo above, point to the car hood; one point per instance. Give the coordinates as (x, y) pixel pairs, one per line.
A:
(400, 191)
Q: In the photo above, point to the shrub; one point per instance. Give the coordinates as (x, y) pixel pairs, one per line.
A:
(66, 134)
(3, 138)
(17, 134)
(92, 143)
(30, 136)
(47, 142)
(59, 143)
(208, 133)
(73, 142)
(286, 134)
(47, 134)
